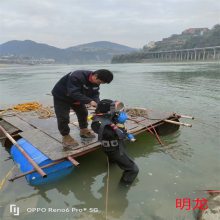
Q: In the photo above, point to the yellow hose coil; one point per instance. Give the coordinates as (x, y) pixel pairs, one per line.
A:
(43, 112)
(26, 107)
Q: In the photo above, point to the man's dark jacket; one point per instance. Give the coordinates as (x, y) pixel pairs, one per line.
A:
(75, 87)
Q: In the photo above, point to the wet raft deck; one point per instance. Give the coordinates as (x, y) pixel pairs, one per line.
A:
(44, 135)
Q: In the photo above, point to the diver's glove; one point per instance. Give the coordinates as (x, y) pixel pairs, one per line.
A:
(131, 137)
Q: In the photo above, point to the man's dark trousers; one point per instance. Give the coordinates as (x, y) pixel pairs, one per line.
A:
(62, 111)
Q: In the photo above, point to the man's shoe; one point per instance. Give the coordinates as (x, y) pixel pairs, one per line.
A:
(68, 141)
(86, 133)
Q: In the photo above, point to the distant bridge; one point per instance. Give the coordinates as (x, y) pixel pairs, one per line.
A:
(194, 54)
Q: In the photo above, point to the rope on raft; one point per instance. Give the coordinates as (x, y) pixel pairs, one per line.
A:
(3, 181)
(141, 112)
(43, 112)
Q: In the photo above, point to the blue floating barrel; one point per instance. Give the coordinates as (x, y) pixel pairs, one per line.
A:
(54, 172)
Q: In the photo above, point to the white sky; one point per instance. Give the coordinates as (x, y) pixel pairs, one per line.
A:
(65, 23)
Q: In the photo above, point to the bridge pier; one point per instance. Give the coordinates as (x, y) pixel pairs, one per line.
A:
(194, 54)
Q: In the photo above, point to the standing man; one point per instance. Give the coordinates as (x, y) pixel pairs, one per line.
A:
(73, 91)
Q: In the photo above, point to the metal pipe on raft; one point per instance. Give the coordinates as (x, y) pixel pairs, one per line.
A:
(184, 116)
(73, 161)
(177, 123)
(168, 121)
(46, 166)
(33, 163)
(33, 171)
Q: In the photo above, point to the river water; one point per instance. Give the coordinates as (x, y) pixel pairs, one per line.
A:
(188, 165)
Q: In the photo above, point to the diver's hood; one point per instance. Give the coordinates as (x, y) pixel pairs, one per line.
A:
(109, 106)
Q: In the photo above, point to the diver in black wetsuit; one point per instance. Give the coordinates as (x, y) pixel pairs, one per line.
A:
(108, 123)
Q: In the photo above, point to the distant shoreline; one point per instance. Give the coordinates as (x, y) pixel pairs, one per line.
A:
(135, 63)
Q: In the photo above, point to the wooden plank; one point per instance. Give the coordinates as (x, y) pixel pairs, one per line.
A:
(44, 143)
(51, 147)
(18, 123)
(49, 127)
(134, 130)
(8, 127)
(130, 125)
(44, 134)
(86, 149)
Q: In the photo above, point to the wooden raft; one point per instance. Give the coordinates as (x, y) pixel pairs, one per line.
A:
(44, 134)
